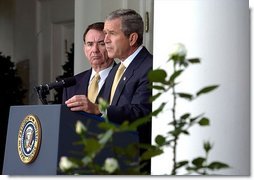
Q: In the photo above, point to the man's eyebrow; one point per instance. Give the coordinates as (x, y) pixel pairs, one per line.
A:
(96, 41)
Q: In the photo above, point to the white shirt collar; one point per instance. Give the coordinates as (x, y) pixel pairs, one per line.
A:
(103, 75)
(127, 61)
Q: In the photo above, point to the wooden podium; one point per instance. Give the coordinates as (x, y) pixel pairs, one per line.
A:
(53, 128)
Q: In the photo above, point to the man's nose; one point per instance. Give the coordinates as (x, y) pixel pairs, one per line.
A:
(95, 47)
(106, 39)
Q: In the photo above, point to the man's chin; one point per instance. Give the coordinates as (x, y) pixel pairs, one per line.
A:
(111, 54)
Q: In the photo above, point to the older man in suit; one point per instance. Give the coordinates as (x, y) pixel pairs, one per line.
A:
(90, 82)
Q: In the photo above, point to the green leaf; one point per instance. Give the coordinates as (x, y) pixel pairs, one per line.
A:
(132, 150)
(155, 97)
(106, 125)
(160, 140)
(198, 162)
(92, 146)
(175, 75)
(185, 132)
(134, 125)
(151, 153)
(175, 132)
(180, 125)
(104, 138)
(204, 122)
(185, 116)
(157, 75)
(158, 110)
(194, 60)
(191, 168)
(217, 165)
(185, 96)
(181, 163)
(206, 90)
(159, 87)
(192, 120)
(125, 126)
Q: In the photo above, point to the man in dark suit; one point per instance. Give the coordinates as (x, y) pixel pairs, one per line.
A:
(124, 38)
(95, 51)
(129, 96)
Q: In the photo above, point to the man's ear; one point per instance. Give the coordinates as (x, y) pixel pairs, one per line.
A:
(84, 49)
(133, 38)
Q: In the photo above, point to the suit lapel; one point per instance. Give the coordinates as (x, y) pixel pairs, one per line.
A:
(106, 88)
(124, 79)
(128, 74)
(84, 82)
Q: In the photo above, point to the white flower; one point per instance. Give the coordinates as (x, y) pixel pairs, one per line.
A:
(177, 49)
(110, 165)
(65, 164)
(80, 128)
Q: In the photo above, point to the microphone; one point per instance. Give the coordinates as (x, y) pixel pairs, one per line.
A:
(66, 82)
(43, 89)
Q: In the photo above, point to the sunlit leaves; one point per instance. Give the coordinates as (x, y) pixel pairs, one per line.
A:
(157, 75)
(198, 162)
(204, 122)
(92, 146)
(194, 60)
(206, 90)
(151, 152)
(160, 140)
(175, 75)
(217, 165)
(185, 96)
(200, 165)
(181, 163)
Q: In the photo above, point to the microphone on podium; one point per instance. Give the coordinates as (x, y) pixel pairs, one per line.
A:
(66, 82)
(43, 89)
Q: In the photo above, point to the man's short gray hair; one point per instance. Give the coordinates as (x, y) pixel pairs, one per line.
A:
(132, 22)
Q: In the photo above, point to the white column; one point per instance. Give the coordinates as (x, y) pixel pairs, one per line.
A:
(86, 12)
(218, 32)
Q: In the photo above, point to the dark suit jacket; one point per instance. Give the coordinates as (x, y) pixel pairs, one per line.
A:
(131, 99)
(81, 86)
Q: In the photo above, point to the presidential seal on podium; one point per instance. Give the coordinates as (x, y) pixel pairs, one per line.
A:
(29, 139)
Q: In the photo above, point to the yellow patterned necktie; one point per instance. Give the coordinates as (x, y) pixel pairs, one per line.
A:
(93, 88)
(117, 78)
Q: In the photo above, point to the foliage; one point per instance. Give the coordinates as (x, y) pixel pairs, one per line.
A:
(162, 83)
(181, 125)
(121, 160)
(11, 93)
(68, 67)
(200, 165)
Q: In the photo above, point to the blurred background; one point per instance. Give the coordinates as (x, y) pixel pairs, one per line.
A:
(38, 39)
(41, 40)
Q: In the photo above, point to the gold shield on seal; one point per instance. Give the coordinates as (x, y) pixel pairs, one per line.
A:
(29, 139)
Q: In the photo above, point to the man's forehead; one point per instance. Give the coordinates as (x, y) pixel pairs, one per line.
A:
(95, 36)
